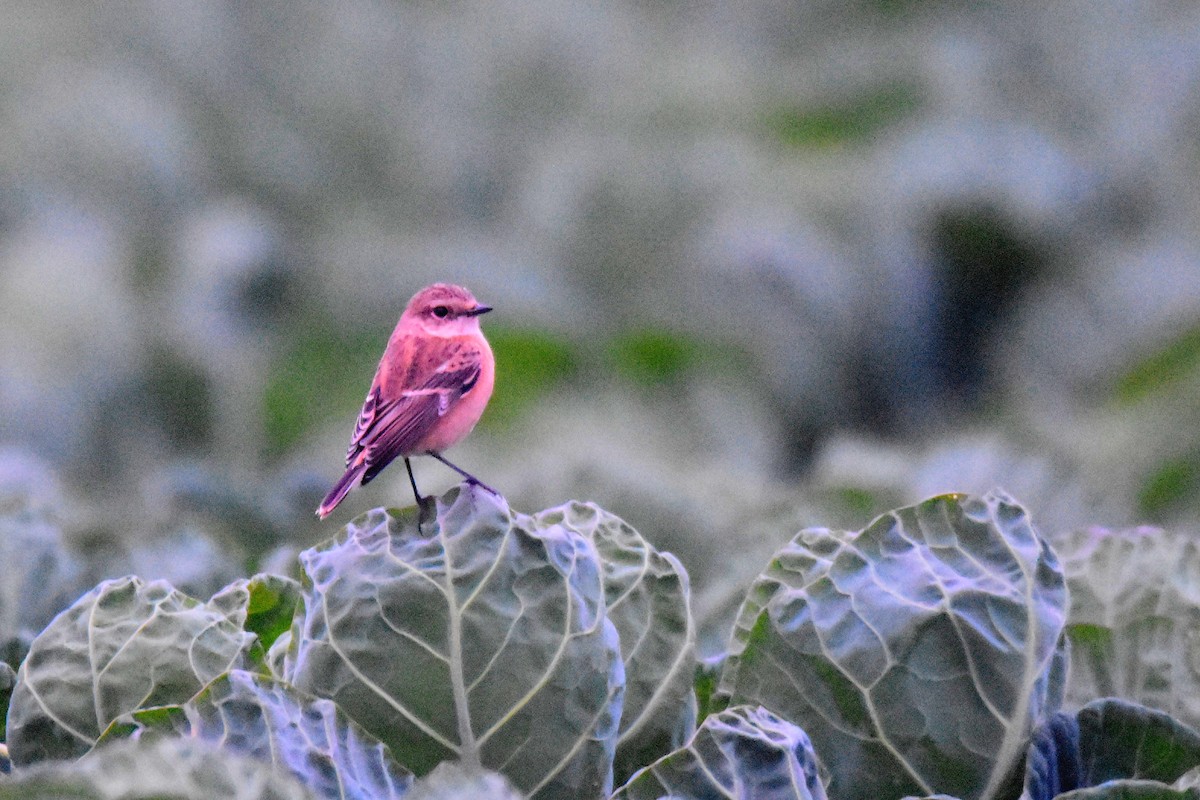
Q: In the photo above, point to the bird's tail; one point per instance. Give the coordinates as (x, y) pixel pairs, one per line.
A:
(341, 489)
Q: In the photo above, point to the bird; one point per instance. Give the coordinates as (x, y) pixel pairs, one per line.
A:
(433, 382)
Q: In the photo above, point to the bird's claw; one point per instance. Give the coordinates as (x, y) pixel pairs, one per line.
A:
(426, 510)
(481, 485)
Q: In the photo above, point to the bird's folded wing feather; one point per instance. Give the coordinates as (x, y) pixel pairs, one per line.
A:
(389, 427)
(366, 418)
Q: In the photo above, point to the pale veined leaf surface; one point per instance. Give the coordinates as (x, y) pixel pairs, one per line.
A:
(124, 645)
(918, 653)
(475, 636)
(647, 595)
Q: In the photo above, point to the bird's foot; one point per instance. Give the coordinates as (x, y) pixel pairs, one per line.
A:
(481, 485)
(426, 511)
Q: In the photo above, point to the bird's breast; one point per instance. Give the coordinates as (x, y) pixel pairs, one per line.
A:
(461, 419)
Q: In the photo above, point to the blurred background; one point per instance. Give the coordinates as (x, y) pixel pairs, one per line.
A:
(757, 266)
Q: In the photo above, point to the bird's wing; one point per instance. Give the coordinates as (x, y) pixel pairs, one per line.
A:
(432, 382)
(366, 419)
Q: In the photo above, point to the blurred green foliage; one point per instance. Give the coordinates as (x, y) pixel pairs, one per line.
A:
(1162, 369)
(897, 7)
(529, 363)
(1174, 484)
(859, 501)
(325, 374)
(650, 357)
(655, 357)
(854, 119)
(1096, 638)
(179, 398)
(149, 264)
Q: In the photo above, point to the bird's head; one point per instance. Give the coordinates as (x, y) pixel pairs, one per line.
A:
(445, 310)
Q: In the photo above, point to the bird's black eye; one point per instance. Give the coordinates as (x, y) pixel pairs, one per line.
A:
(441, 312)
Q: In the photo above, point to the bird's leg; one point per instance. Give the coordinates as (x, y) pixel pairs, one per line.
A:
(424, 504)
(412, 480)
(471, 479)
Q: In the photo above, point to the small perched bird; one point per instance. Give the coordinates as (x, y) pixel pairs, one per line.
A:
(431, 387)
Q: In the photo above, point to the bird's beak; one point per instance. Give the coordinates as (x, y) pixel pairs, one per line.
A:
(477, 310)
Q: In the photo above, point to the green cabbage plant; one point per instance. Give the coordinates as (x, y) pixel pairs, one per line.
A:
(486, 653)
